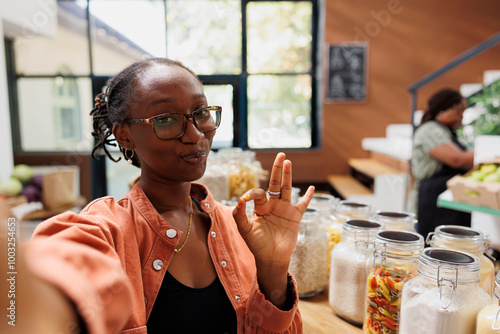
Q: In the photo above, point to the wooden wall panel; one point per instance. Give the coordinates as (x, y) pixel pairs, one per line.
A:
(418, 37)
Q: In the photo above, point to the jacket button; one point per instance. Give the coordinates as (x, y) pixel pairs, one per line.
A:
(171, 233)
(213, 234)
(223, 263)
(237, 298)
(207, 205)
(157, 264)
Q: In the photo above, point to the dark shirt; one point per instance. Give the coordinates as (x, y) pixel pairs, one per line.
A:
(181, 309)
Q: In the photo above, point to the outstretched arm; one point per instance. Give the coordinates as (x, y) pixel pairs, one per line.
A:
(271, 234)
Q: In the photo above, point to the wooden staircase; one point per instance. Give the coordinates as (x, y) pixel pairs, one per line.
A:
(362, 173)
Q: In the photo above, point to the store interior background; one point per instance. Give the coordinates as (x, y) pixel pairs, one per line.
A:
(417, 37)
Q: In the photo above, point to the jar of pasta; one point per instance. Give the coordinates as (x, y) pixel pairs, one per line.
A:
(468, 240)
(243, 172)
(393, 263)
(488, 318)
(345, 210)
(347, 288)
(445, 297)
(396, 221)
(308, 263)
(326, 203)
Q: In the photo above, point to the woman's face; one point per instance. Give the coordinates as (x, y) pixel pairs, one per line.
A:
(168, 89)
(453, 116)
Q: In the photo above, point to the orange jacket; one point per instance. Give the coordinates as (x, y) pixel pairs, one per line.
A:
(111, 258)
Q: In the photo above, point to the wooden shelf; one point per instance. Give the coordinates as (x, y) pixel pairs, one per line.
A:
(371, 167)
(346, 185)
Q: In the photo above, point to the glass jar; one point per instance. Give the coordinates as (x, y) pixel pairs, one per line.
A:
(396, 221)
(308, 264)
(326, 203)
(488, 319)
(347, 288)
(345, 210)
(445, 297)
(393, 263)
(468, 240)
(216, 178)
(243, 172)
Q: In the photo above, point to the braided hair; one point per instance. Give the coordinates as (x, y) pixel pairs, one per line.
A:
(440, 101)
(113, 105)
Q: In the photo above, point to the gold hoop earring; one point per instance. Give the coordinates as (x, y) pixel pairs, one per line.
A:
(129, 159)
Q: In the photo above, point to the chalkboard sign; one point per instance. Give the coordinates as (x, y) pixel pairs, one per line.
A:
(347, 72)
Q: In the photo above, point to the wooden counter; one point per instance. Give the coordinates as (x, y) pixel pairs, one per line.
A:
(318, 317)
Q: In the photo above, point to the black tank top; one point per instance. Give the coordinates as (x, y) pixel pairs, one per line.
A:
(181, 309)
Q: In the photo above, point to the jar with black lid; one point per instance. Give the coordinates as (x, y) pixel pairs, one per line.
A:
(396, 221)
(347, 289)
(469, 240)
(393, 263)
(445, 297)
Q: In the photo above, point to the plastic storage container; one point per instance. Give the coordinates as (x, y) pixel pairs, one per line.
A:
(393, 263)
(445, 297)
(347, 288)
(396, 221)
(309, 261)
(468, 240)
(488, 318)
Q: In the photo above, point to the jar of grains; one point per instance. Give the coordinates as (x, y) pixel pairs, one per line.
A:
(445, 297)
(393, 263)
(468, 240)
(347, 289)
(396, 221)
(488, 318)
(345, 210)
(308, 264)
(326, 203)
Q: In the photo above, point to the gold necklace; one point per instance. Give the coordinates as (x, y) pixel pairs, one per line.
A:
(189, 227)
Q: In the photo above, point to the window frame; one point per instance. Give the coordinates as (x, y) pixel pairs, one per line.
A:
(238, 81)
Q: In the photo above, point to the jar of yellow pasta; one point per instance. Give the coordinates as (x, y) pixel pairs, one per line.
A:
(393, 263)
(243, 171)
(468, 240)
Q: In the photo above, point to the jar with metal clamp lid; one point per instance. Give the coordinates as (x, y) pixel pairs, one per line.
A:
(393, 263)
(345, 210)
(396, 221)
(309, 260)
(445, 297)
(468, 240)
(488, 319)
(347, 289)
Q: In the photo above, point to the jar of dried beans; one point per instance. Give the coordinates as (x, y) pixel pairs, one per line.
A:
(445, 297)
(393, 263)
(309, 261)
(347, 289)
(468, 240)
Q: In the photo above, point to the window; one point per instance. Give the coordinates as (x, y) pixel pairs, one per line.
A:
(258, 59)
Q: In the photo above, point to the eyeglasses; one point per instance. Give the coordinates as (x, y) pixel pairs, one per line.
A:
(170, 126)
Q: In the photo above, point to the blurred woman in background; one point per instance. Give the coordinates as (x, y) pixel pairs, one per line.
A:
(438, 156)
